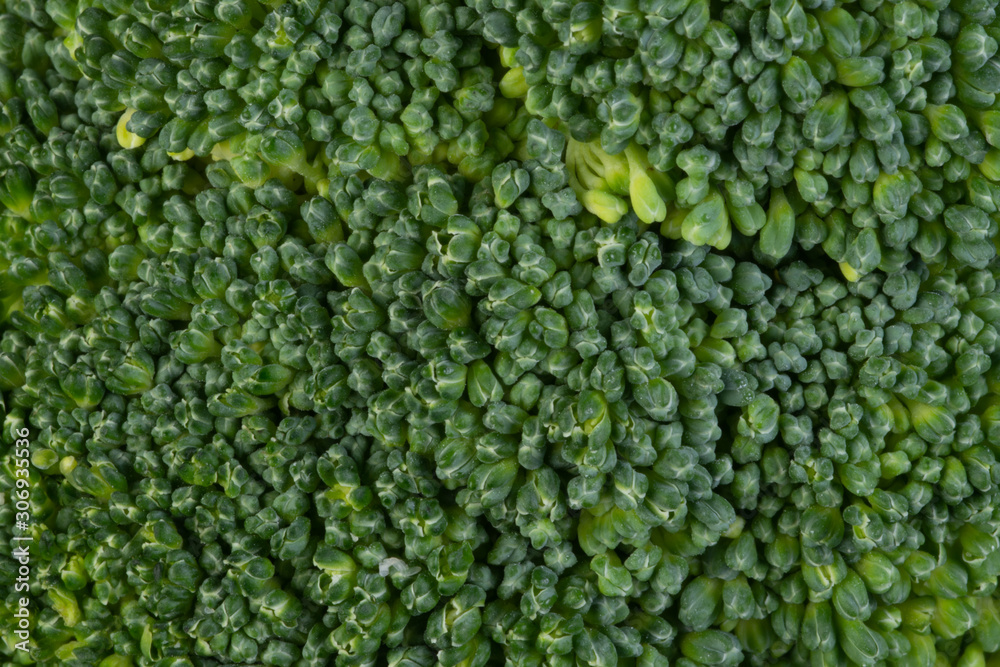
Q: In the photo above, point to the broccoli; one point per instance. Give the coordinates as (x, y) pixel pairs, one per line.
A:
(524, 332)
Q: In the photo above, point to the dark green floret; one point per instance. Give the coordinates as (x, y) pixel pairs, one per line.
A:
(520, 333)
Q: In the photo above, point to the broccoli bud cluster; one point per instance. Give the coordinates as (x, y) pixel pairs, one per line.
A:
(461, 333)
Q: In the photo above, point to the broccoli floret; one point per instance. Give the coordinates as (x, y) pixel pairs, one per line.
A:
(361, 332)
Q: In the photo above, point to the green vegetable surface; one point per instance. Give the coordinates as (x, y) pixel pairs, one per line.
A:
(513, 333)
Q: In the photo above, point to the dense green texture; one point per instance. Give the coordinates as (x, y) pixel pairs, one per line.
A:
(640, 333)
